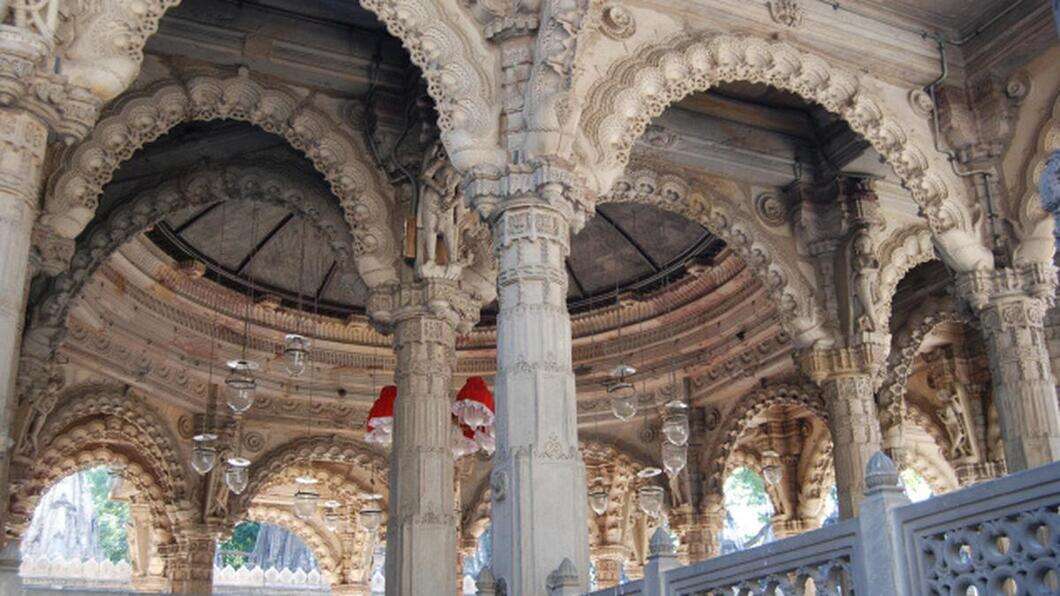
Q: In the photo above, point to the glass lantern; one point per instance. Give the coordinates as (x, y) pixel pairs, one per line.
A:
(623, 401)
(236, 474)
(295, 353)
(598, 501)
(650, 499)
(241, 385)
(674, 458)
(305, 498)
(331, 516)
(203, 454)
(675, 424)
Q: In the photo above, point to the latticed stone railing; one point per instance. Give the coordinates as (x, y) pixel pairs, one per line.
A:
(67, 573)
(227, 580)
(998, 537)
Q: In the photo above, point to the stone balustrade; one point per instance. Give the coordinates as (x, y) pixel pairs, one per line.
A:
(997, 537)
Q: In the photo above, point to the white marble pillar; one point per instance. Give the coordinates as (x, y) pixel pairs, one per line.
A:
(538, 481)
(23, 141)
(421, 529)
(1011, 304)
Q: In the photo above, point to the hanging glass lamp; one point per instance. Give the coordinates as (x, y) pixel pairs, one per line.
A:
(236, 474)
(241, 385)
(305, 498)
(295, 353)
(598, 501)
(674, 458)
(675, 424)
(203, 454)
(650, 499)
(622, 394)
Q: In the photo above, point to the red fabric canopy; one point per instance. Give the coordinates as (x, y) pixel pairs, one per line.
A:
(475, 390)
(383, 408)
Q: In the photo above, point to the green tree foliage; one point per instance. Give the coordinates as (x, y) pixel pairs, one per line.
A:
(111, 517)
(235, 550)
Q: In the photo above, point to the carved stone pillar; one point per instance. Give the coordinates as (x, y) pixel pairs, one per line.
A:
(1011, 305)
(845, 376)
(23, 141)
(712, 521)
(538, 487)
(191, 565)
(421, 529)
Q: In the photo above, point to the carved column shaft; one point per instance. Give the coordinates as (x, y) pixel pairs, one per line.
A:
(855, 435)
(23, 141)
(191, 566)
(421, 531)
(1024, 387)
(538, 482)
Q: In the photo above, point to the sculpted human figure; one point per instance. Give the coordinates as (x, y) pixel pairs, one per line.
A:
(440, 208)
(952, 415)
(866, 269)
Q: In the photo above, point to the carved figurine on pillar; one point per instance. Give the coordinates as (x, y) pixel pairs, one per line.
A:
(439, 213)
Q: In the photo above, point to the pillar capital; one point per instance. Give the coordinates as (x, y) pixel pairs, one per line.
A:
(547, 183)
(28, 83)
(865, 358)
(985, 287)
(440, 298)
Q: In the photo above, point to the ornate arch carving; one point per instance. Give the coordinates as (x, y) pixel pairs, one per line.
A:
(108, 442)
(636, 89)
(934, 467)
(899, 254)
(305, 452)
(329, 559)
(103, 49)
(738, 420)
(274, 184)
(74, 190)
(794, 296)
(1034, 224)
(904, 348)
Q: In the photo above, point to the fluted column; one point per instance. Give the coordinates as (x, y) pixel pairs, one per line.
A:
(845, 376)
(1011, 304)
(421, 529)
(538, 482)
(191, 565)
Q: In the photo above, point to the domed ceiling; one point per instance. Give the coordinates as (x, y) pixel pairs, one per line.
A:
(626, 247)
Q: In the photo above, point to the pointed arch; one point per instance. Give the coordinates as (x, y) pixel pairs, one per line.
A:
(637, 88)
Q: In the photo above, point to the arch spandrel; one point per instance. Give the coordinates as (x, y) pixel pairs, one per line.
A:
(640, 86)
(73, 192)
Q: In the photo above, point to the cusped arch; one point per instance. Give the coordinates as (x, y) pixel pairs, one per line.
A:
(305, 452)
(103, 50)
(274, 183)
(899, 253)
(636, 89)
(931, 313)
(327, 555)
(101, 442)
(791, 292)
(74, 190)
(787, 393)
